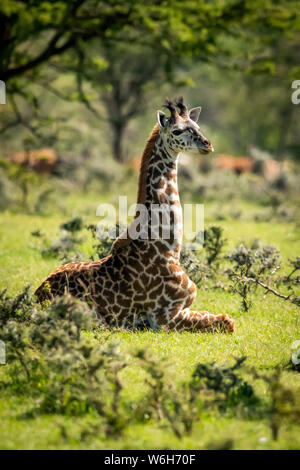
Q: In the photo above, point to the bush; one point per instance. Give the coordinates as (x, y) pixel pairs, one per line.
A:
(251, 263)
(55, 358)
(67, 246)
(53, 361)
(16, 308)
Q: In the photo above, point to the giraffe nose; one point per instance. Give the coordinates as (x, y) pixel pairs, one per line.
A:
(207, 144)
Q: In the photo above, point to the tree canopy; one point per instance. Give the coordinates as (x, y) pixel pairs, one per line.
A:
(133, 43)
(35, 31)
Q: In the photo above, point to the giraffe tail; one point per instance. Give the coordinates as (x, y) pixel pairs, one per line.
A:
(43, 292)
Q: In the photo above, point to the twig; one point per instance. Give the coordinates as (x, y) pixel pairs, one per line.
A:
(265, 286)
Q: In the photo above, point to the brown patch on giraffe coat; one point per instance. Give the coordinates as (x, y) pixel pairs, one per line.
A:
(109, 295)
(140, 297)
(157, 291)
(152, 270)
(156, 282)
(161, 183)
(138, 287)
(160, 198)
(175, 268)
(173, 292)
(171, 175)
(144, 279)
(136, 264)
(184, 281)
(170, 190)
(123, 301)
(163, 302)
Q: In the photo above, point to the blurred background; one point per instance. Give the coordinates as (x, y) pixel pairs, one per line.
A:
(84, 79)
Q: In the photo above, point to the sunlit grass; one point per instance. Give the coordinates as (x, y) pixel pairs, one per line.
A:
(264, 335)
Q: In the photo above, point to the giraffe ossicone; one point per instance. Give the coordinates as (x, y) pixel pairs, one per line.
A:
(141, 280)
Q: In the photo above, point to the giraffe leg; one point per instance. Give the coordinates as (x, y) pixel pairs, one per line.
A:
(177, 315)
(202, 321)
(185, 319)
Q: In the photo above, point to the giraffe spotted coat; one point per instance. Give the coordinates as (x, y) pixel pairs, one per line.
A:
(142, 280)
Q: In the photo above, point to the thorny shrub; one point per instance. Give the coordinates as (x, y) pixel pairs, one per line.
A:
(57, 360)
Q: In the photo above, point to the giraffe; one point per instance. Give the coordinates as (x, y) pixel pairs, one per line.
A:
(141, 280)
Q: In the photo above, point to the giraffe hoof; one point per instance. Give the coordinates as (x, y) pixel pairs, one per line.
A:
(227, 323)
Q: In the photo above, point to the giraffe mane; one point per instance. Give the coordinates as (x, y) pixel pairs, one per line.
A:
(141, 197)
(145, 163)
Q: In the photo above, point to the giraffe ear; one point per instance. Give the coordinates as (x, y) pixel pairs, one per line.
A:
(195, 113)
(161, 119)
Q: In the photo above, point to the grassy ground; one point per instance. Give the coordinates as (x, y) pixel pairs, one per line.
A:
(264, 335)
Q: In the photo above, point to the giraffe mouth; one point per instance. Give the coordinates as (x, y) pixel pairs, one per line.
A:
(204, 151)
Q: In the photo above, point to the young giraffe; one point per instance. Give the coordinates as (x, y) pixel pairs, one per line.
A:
(142, 279)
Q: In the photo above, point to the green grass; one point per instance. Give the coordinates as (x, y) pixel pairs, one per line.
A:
(264, 335)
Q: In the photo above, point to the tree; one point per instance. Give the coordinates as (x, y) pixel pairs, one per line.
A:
(35, 31)
(122, 77)
(36, 34)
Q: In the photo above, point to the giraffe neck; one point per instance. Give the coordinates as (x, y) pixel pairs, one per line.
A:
(157, 187)
(161, 181)
(161, 192)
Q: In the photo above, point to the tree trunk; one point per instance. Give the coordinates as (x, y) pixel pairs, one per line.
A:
(118, 130)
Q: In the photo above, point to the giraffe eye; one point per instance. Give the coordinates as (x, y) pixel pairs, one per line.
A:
(177, 132)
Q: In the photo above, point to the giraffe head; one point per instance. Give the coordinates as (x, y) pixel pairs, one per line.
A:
(180, 132)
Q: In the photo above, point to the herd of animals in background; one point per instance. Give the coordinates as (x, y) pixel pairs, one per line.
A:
(267, 167)
(45, 161)
(41, 161)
